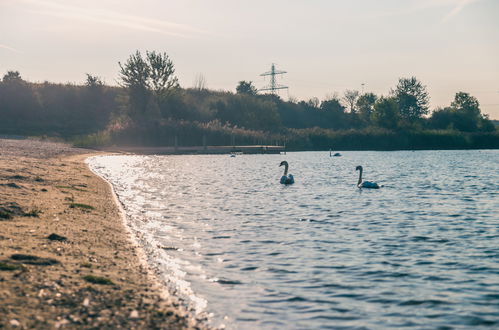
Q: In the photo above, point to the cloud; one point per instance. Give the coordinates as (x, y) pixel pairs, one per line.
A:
(10, 48)
(457, 9)
(107, 17)
(416, 6)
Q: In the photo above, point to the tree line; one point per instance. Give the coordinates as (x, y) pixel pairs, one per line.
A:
(149, 107)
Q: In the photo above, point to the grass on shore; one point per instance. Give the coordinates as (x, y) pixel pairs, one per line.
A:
(81, 206)
(98, 280)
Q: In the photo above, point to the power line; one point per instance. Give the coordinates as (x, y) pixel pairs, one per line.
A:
(273, 86)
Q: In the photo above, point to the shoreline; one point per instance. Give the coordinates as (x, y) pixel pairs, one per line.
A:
(152, 273)
(67, 257)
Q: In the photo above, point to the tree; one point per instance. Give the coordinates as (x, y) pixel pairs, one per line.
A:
(12, 77)
(365, 106)
(161, 73)
(350, 97)
(247, 111)
(333, 105)
(443, 118)
(313, 102)
(19, 102)
(412, 98)
(465, 103)
(246, 87)
(467, 115)
(386, 112)
(93, 81)
(149, 81)
(334, 112)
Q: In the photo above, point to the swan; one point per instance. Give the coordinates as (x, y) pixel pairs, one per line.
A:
(365, 184)
(336, 154)
(286, 179)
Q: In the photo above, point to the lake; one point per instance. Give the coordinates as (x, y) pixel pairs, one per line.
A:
(421, 252)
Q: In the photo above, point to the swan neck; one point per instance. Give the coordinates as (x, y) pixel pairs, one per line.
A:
(286, 169)
(360, 177)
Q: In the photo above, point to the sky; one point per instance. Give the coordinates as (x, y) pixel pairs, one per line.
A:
(325, 46)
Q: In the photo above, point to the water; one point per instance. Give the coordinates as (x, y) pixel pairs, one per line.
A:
(421, 252)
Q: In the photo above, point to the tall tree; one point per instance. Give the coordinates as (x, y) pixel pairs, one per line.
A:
(162, 77)
(467, 114)
(365, 106)
(412, 98)
(464, 102)
(350, 97)
(149, 80)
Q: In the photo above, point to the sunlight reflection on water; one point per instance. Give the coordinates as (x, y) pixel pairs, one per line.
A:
(423, 250)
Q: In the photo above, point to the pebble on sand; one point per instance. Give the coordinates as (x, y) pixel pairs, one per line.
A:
(15, 323)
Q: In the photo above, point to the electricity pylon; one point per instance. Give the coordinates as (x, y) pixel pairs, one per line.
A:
(273, 86)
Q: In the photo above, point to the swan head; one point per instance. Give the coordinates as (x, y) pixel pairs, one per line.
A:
(284, 163)
(358, 168)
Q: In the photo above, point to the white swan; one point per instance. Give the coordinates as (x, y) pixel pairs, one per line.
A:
(286, 179)
(365, 184)
(336, 154)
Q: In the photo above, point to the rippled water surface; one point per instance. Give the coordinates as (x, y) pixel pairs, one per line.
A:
(421, 252)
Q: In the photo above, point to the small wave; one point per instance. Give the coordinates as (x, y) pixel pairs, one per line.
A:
(430, 302)
(225, 281)
(334, 318)
(168, 248)
(477, 321)
(436, 278)
(280, 270)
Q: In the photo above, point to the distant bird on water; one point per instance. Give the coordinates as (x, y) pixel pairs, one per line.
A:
(365, 184)
(285, 178)
(336, 154)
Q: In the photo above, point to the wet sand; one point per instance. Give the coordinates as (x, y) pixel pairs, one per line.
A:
(66, 259)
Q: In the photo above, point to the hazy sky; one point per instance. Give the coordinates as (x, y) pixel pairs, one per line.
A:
(326, 46)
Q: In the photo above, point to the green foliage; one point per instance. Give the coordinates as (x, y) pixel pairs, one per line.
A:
(81, 206)
(463, 115)
(98, 280)
(465, 103)
(334, 115)
(93, 81)
(365, 106)
(53, 109)
(246, 87)
(412, 98)
(12, 77)
(6, 266)
(350, 97)
(247, 111)
(151, 110)
(149, 81)
(98, 139)
(387, 139)
(386, 112)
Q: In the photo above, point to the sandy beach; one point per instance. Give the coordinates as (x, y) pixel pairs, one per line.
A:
(66, 259)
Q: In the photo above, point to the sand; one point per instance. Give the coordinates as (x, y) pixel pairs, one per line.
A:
(66, 259)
